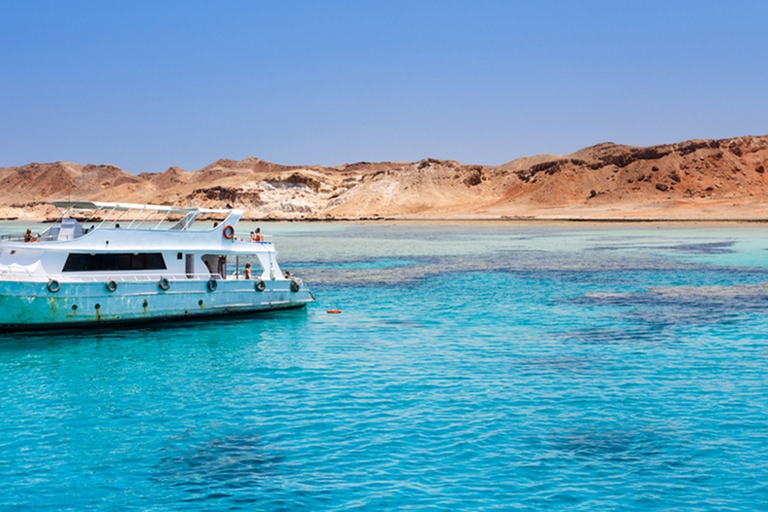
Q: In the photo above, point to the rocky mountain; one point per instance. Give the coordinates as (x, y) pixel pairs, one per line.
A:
(698, 179)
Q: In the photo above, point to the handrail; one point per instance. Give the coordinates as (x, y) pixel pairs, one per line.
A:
(15, 271)
(94, 277)
(41, 238)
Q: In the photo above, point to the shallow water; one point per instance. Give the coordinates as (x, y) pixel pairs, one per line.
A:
(533, 367)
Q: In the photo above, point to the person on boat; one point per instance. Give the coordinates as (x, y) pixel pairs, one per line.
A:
(247, 271)
(223, 267)
(253, 236)
(287, 274)
(208, 266)
(259, 236)
(28, 236)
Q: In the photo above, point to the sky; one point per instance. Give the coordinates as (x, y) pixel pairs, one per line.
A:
(146, 85)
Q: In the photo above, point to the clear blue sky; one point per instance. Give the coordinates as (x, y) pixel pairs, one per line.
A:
(147, 85)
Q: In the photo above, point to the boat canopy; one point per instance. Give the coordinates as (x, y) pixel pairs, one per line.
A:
(124, 207)
(112, 213)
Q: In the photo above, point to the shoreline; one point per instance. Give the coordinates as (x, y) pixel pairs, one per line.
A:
(504, 220)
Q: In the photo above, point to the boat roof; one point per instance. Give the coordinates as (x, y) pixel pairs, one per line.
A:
(112, 213)
(124, 207)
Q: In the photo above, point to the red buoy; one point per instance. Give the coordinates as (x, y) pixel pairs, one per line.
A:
(334, 311)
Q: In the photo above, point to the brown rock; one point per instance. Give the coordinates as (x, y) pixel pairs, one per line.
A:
(545, 186)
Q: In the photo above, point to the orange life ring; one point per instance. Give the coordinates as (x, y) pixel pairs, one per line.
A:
(228, 232)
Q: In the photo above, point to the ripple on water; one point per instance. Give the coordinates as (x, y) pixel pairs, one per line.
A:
(472, 368)
(233, 466)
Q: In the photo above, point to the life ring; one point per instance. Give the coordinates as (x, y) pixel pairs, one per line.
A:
(164, 284)
(260, 286)
(295, 285)
(53, 286)
(228, 231)
(111, 285)
(212, 285)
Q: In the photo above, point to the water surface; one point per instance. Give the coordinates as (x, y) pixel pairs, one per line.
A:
(534, 367)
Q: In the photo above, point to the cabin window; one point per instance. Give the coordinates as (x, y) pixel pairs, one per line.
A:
(114, 261)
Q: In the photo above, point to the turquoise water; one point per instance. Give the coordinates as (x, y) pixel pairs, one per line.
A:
(474, 367)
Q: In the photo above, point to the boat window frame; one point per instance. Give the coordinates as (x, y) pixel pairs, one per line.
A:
(114, 262)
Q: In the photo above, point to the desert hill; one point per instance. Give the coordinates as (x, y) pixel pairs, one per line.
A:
(697, 179)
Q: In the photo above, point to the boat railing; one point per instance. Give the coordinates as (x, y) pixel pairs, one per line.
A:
(94, 277)
(40, 237)
(267, 239)
(23, 274)
(15, 272)
(11, 238)
(232, 276)
(47, 236)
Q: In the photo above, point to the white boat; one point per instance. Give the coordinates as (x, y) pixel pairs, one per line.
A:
(132, 263)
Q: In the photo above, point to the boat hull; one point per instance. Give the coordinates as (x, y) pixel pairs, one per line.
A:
(37, 305)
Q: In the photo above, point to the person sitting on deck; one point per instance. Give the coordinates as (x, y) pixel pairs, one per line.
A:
(259, 236)
(28, 236)
(253, 236)
(247, 271)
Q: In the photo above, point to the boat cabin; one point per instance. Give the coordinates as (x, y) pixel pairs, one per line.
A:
(91, 240)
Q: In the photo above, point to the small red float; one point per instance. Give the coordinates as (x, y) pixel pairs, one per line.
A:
(334, 311)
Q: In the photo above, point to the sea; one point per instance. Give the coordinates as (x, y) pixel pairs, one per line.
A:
(473, 366)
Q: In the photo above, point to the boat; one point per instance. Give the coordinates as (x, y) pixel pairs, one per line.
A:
(118, 263)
